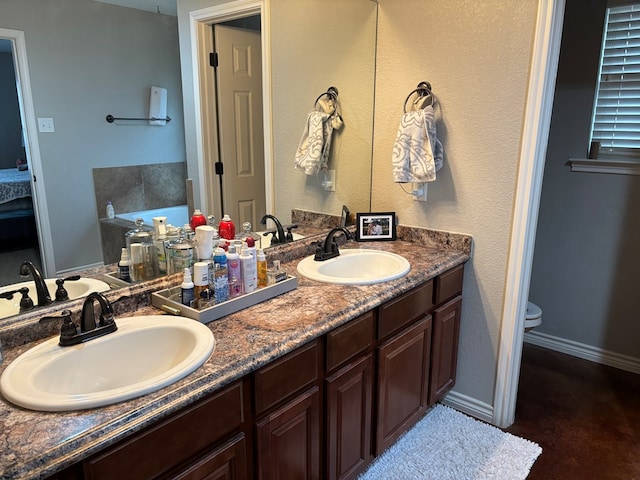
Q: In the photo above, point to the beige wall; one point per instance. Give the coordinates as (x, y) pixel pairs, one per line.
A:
(476, 54)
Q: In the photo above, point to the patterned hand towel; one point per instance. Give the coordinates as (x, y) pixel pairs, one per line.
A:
(417, 152)
(312, 154)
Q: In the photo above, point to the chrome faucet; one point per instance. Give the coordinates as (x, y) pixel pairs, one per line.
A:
(329, 248)
(44, 298)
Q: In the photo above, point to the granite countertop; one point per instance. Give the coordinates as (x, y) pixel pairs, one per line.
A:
(38, 444)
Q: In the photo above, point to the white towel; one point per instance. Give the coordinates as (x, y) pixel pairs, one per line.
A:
(312, 154)
(417, 152)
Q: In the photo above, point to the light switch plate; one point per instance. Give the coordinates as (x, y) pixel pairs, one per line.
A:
(45, 125)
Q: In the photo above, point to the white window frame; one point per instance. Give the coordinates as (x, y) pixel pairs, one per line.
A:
(616, 111)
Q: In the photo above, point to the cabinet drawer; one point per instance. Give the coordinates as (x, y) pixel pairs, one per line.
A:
(402, 311)
(171, 442)
(347, 341)
(449, 284)
(286, 376)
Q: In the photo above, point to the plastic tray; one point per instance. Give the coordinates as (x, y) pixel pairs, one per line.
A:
(166, 300)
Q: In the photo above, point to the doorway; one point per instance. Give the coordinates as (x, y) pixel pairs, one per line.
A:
(20, 238)
(239, 165)
(200, 103)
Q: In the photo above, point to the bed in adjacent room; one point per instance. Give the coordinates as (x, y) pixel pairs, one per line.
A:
(17, 221)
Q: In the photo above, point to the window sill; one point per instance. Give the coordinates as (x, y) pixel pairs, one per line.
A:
(601, 165)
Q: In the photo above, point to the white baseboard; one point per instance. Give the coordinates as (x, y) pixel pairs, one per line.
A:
(470, 406)
(581, 350)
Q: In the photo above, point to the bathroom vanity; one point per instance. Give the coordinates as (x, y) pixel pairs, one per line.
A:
(313, 383)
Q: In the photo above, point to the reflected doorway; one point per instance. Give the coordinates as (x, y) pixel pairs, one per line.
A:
(239, 160)
(18, 228)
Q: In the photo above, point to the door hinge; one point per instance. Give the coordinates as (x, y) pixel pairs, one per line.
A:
(219, 168)
(213, 59)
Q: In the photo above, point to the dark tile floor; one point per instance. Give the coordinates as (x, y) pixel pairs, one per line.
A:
(585, 416)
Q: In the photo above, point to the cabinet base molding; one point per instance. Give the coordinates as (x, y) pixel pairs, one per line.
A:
(469, 405)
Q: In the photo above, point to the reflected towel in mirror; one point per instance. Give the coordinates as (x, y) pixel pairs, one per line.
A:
(417, 152)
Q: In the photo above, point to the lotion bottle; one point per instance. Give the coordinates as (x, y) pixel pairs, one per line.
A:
(262, 269)
(110, 212)
(234, 271)
(249, 274)
(187, 289)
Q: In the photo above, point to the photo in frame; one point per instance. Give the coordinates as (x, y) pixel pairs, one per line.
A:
(372, 227)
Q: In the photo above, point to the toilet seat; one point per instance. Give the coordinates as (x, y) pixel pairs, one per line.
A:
(533, 317)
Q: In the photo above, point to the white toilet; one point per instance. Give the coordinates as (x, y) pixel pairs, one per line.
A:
(533, 317)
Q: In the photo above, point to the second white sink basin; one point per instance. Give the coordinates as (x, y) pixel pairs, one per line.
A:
(355, 267)
(145, 354)
(75, 289)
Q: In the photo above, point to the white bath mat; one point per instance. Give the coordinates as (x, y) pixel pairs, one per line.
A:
(448, 445)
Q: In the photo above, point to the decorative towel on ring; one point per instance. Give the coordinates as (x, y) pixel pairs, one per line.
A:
(417, 152)
(312, 154)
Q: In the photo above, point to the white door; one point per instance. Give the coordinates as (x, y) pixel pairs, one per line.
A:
(239, 76)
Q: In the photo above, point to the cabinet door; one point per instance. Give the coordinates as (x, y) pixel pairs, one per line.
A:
(444, 357)
(348, 419)
(227, 462)
(288, 440)
(403, 377)
(170, 443)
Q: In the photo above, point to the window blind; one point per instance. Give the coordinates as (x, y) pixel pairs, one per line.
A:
(616, 122)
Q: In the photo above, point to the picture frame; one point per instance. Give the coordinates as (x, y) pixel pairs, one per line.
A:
(372, 227)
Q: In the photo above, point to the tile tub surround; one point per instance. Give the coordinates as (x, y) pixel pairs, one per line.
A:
(37, 444)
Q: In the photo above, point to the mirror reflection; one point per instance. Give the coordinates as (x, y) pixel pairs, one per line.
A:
(83, 60)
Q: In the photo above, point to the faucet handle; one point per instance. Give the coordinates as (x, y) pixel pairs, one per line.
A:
(67, 329)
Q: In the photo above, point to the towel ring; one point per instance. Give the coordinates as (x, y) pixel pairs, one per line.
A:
(332, 93)
(423, 90)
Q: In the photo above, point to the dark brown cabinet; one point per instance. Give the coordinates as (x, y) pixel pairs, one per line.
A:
(324, 410)
(288, 440)
(403, 381)
(181, 443)
(446, 329)
(349, 394)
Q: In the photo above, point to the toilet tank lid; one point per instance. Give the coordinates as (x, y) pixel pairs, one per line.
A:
(533, 311)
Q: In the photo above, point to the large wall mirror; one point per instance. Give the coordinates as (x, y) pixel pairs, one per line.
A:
(87, 59)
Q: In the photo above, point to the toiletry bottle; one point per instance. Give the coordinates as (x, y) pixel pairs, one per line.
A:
(276, 274)
(249, 274)
(234, 272)
(136, 270)
(197, 219)
(221, 283)
(227, 229)
(187, 289)
(123, 266)
(251, 247)
(110, 212)
(262, 269)
(159, 241)
(201, 283)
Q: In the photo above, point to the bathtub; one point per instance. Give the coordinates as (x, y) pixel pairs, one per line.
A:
(176, 216)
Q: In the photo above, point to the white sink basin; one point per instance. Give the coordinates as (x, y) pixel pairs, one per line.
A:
(145, 354)
(75, 289)
(356, 267)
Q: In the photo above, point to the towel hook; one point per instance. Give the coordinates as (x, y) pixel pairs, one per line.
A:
(332, 93)
(423, 90)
